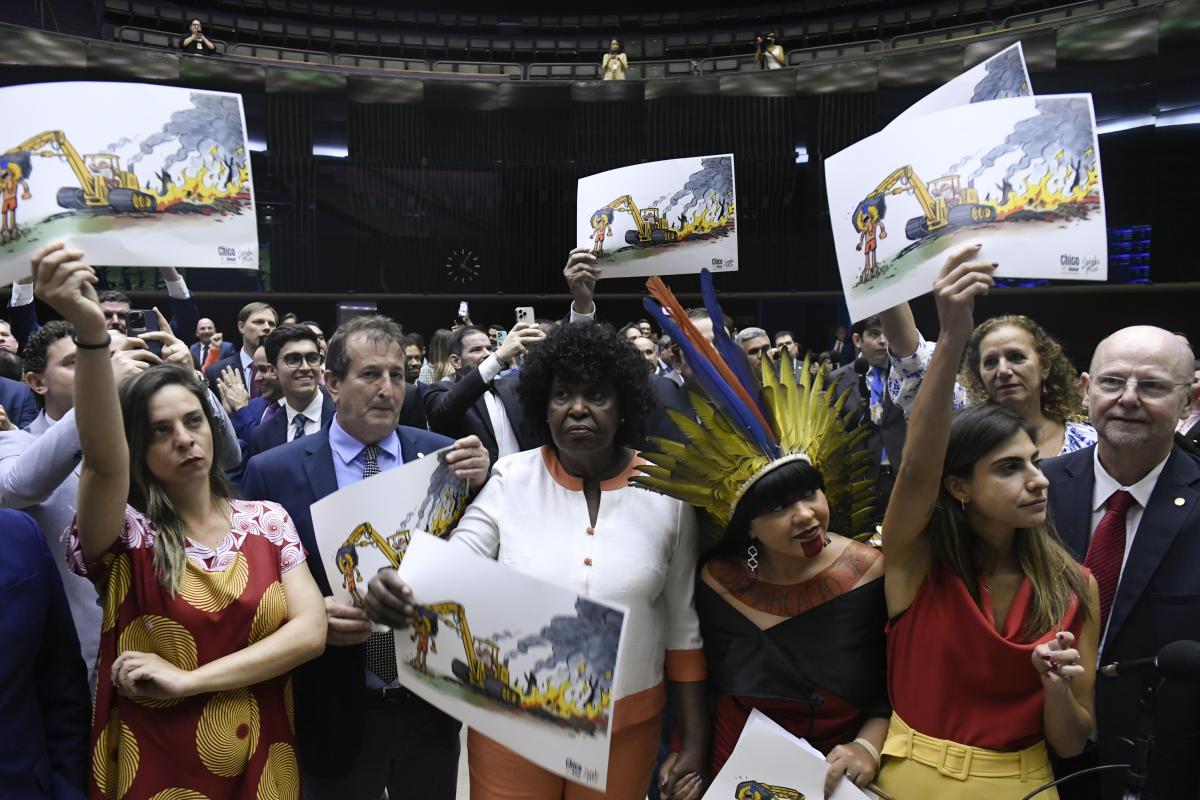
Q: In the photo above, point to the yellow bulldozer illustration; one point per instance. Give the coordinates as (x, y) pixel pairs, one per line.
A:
(365, 535)
(652, 228)
(102, 182)
(945, 202)
(484, 670)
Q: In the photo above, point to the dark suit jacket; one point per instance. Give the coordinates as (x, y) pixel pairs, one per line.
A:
(213, 373)
(274, 432)
(888, 434)
(666, 394)
(458, 409)
(848, 354)
(184, 316)
(1157, 601)
(329, 690)
(44, 701)
(18, 401)
(227, 350)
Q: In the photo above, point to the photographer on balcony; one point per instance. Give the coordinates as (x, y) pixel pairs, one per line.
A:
(196, 42)
(768, 52)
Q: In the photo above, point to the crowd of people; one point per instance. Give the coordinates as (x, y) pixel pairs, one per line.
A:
(923, 585)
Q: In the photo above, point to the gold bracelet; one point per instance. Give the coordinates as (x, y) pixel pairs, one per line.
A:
(870, 748)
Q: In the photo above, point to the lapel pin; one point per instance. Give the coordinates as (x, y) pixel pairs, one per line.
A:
(1179, 501)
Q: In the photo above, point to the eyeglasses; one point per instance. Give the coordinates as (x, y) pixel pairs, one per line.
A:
(293, 359)
(1112, 386)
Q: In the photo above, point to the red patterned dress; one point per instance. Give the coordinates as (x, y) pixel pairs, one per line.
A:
(233, 744)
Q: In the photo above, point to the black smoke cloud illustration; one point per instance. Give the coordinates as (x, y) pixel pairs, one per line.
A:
(1061, 124)
(213, 121)
(590, 637)
(712, 185)
(1005, 78)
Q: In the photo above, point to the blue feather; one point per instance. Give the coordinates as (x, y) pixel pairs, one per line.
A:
(714, 385)
(730, 350)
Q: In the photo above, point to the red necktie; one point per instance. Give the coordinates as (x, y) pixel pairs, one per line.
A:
(1107, 550)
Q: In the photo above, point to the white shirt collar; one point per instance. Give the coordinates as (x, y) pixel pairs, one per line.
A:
(247, 361)
(312, 411)
(1106, 484)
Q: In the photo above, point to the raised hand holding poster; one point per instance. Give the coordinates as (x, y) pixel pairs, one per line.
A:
(132, 174)
(1020, 176)
(660, 218)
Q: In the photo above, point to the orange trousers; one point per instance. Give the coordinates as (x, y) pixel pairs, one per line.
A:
(498, 773)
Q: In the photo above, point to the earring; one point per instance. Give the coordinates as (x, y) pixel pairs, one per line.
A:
(752, 561)
(963, 501)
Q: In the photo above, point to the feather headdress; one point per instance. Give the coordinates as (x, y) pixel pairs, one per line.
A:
(741, 432)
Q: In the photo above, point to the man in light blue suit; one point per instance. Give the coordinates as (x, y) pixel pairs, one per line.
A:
(359, 732)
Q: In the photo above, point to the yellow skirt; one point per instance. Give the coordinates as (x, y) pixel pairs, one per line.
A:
(919, 767)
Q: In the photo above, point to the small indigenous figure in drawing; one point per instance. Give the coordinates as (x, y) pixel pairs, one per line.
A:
(872, 230)
(347, 561)
(601, 226)
(424, 631)
(11, 180)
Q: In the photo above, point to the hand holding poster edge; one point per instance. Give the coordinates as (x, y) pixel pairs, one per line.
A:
(1039, 211)
(367, 526)
(559, 718)
(660, 218)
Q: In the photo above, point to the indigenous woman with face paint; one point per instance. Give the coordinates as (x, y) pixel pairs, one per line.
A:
(208, 603)
(792, 613)
(993, 629)
(567, 514)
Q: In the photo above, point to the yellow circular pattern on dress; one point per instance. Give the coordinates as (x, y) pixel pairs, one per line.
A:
(115, 759)
(164, 637)
(179, 794)
(214, 591)
(271, 613)
(289, 705)
(227, 734)
(120, 577)
(281, 776)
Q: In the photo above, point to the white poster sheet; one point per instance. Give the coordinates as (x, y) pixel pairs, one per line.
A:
(1000, 77)
(769, 763)
(660, 218)
(134, 175)
(526, 663)
(367, 526)
(1020, 176)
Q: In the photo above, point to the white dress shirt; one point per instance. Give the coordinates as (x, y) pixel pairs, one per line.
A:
(312, 412)
(506, 437)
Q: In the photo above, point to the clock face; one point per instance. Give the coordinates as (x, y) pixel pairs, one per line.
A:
(462, 266)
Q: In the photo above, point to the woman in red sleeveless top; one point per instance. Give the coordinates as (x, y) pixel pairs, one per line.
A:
(208, 603)
(993, 636)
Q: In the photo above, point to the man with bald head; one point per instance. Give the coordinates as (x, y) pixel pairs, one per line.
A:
(1129, 509)
(200, 349)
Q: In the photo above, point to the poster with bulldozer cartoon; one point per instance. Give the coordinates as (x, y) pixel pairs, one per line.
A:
(367, 526)
(660, 218)
(526, 663)
(1021, 176)
(132, 174)
(769, 763)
